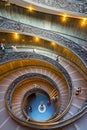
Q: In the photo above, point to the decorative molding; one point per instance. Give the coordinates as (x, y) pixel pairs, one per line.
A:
(25, 55)
(13, 26)
(8, 95)
(10, 25)
(80, 7)
(47, 125)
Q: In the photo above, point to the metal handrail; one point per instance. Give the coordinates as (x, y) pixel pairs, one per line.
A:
(58, 66)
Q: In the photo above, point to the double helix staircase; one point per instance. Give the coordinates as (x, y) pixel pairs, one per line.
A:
(77, 102)
(28, 85)
(72, 114)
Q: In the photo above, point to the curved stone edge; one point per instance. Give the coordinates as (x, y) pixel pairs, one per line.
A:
(75, 9)
(13, 26)
(72, 46)
(55, 125)
(52, 62)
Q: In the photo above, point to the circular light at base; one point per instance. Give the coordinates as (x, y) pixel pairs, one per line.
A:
(41, 109)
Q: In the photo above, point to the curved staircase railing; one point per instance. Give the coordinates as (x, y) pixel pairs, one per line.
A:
(56, 123)
(69, 49)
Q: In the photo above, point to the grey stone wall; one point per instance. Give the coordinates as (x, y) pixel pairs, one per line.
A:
(71, 27)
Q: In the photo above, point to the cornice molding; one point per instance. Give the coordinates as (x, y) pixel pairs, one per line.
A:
(76, 9)
(80, 7)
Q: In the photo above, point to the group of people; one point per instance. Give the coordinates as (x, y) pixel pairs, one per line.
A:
(78, 91)
(29, 108)
(2, 47)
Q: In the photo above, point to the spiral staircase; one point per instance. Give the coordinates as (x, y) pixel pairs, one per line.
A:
(34, 66)
(26, 71)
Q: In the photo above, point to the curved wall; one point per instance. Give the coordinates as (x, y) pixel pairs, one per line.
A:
(69, 49)
(71, 27)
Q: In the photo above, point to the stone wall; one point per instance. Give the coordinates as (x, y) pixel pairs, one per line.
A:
(70, 27)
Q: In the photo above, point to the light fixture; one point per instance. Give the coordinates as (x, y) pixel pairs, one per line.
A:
(53, 43)
(36, 39)
(16, 36)
(30, 8)
(64, 17)
(83, 22)
(23, 40)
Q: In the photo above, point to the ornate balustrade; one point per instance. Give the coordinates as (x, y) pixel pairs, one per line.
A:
(69, 49)
(17, 56)
(24, 77)
(55, 124)
(75, 6)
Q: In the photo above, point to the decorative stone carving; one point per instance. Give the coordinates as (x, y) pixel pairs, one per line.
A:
(11, 25)
(26, 76)
(68, 5)
(84, 8)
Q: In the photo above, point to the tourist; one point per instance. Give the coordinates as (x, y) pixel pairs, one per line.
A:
(28, 119)
(57, 59)
(14, 49)
(78, 90)
(34, 51)
(77, 93)
(2, 47)
(49, 102)
(30, 108)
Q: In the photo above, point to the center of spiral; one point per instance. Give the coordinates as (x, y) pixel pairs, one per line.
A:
(42, 108)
